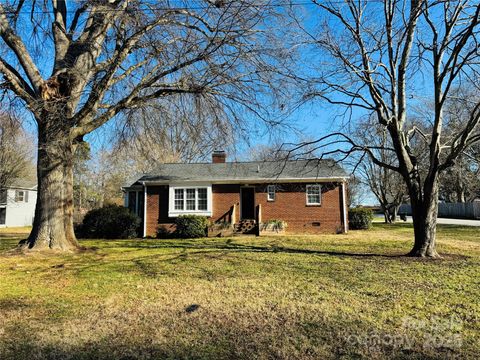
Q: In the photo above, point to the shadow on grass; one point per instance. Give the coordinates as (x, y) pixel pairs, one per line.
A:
(224, 338)
(184, 250)
(230, 246)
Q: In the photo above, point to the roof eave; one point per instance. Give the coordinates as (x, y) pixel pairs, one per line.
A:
(248, 181)
(34, 188)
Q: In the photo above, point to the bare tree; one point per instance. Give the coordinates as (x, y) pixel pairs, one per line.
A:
(356, 192)
(16, 152)
(76, 65)
(176, 131)
(383, 57)
(275, 151)
(461, 181)
(387, 185)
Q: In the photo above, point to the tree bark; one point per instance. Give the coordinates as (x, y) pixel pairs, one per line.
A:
(395, 213)
(424, 214)
(53, 223)
(386, 216)
(386, 213)
(460, 188)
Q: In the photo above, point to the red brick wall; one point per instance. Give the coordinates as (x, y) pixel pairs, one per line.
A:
(289, 205)
(223, 198)
(157, 209)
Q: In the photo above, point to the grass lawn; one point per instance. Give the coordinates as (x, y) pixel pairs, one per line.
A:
(316, 297)
(6, 232)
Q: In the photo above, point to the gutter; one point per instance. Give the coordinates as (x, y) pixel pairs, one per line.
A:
(345, 210)
(144, 209)
(248, 181)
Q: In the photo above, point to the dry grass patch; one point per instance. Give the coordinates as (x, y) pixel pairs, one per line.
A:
(15, 232)
(286, 297)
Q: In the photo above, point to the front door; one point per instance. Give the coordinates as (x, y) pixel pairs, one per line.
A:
(247, 203)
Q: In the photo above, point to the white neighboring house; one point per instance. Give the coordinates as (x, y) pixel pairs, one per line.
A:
(17, 203)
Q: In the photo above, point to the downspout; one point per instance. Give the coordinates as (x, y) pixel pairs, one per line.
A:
(345, 210)
(144, 210)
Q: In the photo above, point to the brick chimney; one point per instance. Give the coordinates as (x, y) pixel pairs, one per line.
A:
(219, 157)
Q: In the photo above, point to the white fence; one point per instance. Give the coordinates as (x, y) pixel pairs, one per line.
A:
(470, 210)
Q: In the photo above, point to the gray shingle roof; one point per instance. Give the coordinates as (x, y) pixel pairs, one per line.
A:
(21, 183)
(247, 171)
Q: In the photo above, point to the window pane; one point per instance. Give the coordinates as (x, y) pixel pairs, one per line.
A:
(202, 199)
(313, 194)
(313, 199)
(271, 192)
(179, 199)
(19, 195)
(191, 199)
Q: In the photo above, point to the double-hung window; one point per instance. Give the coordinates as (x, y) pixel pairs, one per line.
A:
(202, 199)
(314, 194)
(21, 196)
(179, 199)
(190, 200)
(271, 192)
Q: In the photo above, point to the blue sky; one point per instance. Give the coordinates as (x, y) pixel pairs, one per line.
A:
(314, 119)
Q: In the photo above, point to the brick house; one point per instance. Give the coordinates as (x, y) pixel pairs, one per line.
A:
(309, 196)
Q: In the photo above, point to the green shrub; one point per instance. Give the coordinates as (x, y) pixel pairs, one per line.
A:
(191, 226)
(360, 218)
(110, 222)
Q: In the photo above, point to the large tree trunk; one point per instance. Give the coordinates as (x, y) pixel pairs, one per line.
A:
(53, 223)
(424, 214)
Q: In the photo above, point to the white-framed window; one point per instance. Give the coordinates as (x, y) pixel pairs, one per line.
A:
(179, 199)
(271, 192)
(21, 196)
(190, 200)
(202, 199)
(314, 194)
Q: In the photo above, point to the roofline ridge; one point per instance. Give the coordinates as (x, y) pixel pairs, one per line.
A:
(246, 161)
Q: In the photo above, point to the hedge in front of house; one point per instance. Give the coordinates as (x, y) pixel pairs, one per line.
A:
(110, 222)
(191, 226)
(360, 218)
